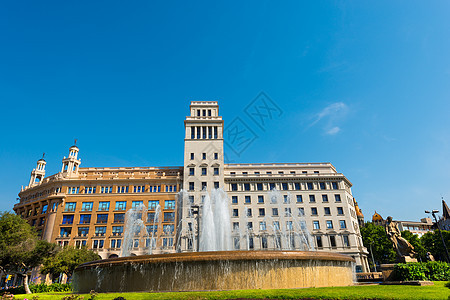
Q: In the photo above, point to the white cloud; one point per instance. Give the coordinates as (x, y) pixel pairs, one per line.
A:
(333, 130)
(330, 116)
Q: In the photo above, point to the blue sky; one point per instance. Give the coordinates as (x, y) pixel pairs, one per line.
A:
(363, 85)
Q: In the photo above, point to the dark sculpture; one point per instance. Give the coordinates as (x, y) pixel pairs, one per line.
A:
(405, 251)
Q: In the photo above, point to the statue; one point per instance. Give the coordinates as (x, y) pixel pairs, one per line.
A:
(405, 251)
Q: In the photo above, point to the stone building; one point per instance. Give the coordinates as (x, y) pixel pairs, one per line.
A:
(86, 206)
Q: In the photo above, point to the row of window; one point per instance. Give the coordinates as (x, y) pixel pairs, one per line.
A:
(284, 186)
(203, 132)
(287, 211)
(122, 189)
(117, 230)
(286, 199)
(117, 243)
(118, 218)
(119, 205)
(204, 171)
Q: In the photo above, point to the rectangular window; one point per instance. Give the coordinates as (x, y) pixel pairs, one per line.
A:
(259, 186)
(192, 156)
(152, 229)
(333, 241)
(337, 198)
(65, 231)
(102, 218)
(167, 243)
(117, 230)
(67, 220)
(322, 185)
(276, 225)
(169, 204)
(260, 199)
(297, 186)
(272, 186)
(119, 218)
(100, 231)
(191, 186)
(334, 185)
(312, 198)
(249, 212)
(103, 206)
(324, 198)
(216, 155)
(264, 244)
(236, 243)
(121, 205)
(216, 184)
(74, 190)
(246, 186)
(44, 209)
(203, 171)
(250, 225)
(314, 211)
(191, 171)
(262, 226)
(310, 185)
(234, 199)
(319, 241)
(204, 185)
(247, 200)
(316, 225)
(234, 187)
(346, 241)
(235, 212)
(85, 219)
(287, 211)
(83, 231)
(286, 199)
(342, 224)
(299, 199)
(139, 189)
(90, 190)
(70, 206)
(327, 211)
(122, 189)
(153, 204)
(329, 224)
(106, 189)
(216, 171)
(169, 217)
(301, 211)
(284, 186)
(137, 204)
(87, 206)
(236, 226)
(274, 211)
(340, 211)
(262, 212)
(204, 156)
(289, 225)
(168, 228)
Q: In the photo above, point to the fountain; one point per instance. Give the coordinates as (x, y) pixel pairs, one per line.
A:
(215, 267)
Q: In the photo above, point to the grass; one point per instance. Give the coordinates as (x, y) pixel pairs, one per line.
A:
(438, 291)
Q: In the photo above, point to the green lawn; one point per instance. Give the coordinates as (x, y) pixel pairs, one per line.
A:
(438, 291)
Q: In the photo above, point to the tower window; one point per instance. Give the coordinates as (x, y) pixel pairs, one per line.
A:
(203, 171)
(191, 171)
(209, 132)
(204, 132)
(209, 113)
(192, 133)
(216, 171)
(216, 155)
(198, 112)
(204, 155)
(192, 156)
(215, 132)
(204, 112)
(191, 186)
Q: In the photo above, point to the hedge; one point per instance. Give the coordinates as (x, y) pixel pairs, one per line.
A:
(432, 270)
(42, 288)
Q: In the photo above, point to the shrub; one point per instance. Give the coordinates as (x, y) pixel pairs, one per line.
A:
(432, 270)
(43, 288)
(119, 298)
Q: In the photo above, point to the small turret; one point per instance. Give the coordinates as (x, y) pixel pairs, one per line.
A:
(377, 219)
(39, 173)
(71, 164)
(359, 214)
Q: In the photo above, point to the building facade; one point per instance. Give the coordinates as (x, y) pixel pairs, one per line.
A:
(87, 206)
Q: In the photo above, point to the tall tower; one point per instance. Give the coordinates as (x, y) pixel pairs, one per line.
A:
(203, 164)
(39, 173)
(203, 148)
(71, 164)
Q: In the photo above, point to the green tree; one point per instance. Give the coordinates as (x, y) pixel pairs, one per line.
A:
(433, 243)
(20, 248)
(415, 241)
(375, 240)
(67, 260)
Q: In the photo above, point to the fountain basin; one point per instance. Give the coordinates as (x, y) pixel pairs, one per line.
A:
(218, 270)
